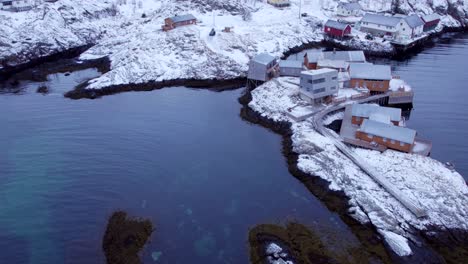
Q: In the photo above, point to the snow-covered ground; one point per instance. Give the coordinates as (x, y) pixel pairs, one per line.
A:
(130, 34)
(441, 192)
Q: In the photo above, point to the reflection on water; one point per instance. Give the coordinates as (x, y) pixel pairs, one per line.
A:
(438, 77)
(182, 158)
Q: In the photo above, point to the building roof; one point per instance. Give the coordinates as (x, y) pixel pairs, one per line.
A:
(291, 64)
(350, 6)
(263, 58)
(348, 56)
(182, 18)
(380, 117)
(381, 19)
(414, 21)
(319, 71)
(313, 56)
(370, 71)
(401, 134)
(335, 64)
(368, 110)
(430, 17)
(336, 24)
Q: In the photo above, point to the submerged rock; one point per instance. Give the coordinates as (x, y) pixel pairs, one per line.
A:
(124, 238)
(42, 89)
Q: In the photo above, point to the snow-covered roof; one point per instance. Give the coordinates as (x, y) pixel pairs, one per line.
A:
(348, 56)
(383, 130)
(182, 18)
(350, 6)
(263, 58)
(335, 24)
(380, 19)
(430, 17)
(379, 117)
(290, 64)
(414, 21)
(367, 110)
(370, 71)
(319, 71)
(336, 64)
(313, 56)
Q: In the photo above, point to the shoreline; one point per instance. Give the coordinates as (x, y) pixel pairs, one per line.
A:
(433, 243)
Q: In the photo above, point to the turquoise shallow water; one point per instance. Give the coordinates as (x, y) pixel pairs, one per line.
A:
(180, 157)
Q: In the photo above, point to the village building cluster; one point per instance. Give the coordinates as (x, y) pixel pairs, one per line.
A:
(396, 28)
(323, 75)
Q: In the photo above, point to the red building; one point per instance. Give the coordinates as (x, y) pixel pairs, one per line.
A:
(336, 29)
(430, 21)
(177, 21)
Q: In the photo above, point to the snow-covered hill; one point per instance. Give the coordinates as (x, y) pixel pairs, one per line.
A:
(128, 32)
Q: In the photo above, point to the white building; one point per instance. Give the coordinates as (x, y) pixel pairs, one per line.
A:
(16, 5)
(318, 84)
(397, 27)
(349, 9)
(263, 67)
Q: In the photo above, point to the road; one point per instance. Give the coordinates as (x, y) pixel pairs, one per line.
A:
(317, 122)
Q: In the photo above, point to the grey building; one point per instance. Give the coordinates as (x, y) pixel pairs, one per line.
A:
(263, 67)
(318, 84)
(291, 68)
(348, 56)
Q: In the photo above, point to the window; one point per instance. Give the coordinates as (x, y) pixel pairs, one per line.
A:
(370, 136)
(381, 85)
(321, 80)
(384, 139)
(309, 81)
(321, 90)
(402, 144)
(334, 78)
(333, 88)
(392, 141)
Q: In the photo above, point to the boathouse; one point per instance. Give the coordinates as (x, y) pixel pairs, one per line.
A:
(316, 85)
(376, 78)
(177, 21)
(16, 5)
(379, 25)
(431, 22)
(349, 9)
(388, 115)
(336, 29)
(279, 3)
(394, 137)
(263, 67)
(291, 68)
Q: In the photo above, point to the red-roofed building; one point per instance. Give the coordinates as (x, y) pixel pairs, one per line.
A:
(336, 29)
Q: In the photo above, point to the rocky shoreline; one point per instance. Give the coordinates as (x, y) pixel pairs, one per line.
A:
(436, 244)
(81, 92)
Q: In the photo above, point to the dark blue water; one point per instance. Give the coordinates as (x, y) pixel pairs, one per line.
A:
(182, 158)
(440, 80)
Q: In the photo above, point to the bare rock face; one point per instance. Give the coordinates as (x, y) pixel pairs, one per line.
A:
(43, 89)
(124, 238)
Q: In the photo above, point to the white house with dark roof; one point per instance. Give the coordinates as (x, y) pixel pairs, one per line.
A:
(397, 27)
(416, 25)
(349, 9)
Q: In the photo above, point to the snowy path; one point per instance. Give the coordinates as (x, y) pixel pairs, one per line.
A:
(317, 122)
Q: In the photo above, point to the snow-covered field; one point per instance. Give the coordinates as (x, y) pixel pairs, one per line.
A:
(441, 192)
(129, 33)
